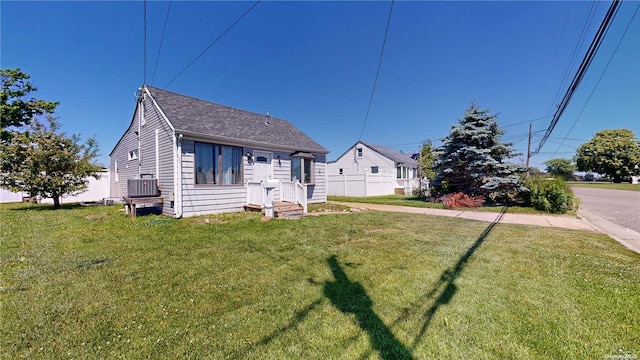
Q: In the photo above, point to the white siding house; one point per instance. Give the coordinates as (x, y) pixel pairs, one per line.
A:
(367, 169)
(209, 158)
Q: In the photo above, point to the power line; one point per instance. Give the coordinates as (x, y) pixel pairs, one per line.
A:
(213, 43)
(574, 53)
(166, 19)
(584, 66)
(526, 122)
(144, 81)
(600, 78)
(384, 41)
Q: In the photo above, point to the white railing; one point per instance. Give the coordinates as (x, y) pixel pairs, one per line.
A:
(255, 193)
(301, 194)
(290, 191)
(295, 192)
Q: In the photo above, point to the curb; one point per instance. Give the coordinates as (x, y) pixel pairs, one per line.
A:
(627, 237)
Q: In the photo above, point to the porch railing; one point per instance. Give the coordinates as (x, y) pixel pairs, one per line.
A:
(295, 192)
(291, 191)
(255, 193)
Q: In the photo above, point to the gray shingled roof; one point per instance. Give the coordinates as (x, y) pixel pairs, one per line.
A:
(196, 116)
(394, 155)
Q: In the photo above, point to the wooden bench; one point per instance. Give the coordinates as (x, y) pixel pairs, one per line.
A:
(130, 206)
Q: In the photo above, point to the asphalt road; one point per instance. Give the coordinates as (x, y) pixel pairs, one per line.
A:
(621, 207)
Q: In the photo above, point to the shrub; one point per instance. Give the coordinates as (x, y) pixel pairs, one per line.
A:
(552, 196)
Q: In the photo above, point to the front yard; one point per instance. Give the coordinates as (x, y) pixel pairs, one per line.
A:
(89, 282)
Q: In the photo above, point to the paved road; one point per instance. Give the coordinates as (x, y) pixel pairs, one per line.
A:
(621, 207)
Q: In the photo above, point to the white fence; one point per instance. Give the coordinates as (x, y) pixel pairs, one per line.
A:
(360, 185)
(96, 191)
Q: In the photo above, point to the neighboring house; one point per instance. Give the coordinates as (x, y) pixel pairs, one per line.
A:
(209, 158)
(371, 170)
(97, 190)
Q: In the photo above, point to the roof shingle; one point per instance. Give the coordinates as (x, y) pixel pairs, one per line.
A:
(197, 116)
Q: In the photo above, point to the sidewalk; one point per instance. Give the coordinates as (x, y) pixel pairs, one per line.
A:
(584, 221)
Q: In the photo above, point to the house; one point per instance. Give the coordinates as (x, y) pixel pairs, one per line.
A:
(209, 158)
(367, 169)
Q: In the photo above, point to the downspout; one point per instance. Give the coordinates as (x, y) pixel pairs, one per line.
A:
(177, 175)
(140, 115)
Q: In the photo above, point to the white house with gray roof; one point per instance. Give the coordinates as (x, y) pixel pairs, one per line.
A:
(367, 169)
(209, 158)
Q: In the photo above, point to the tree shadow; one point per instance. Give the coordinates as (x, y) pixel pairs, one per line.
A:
(48, 207)
(351, 298)
(446, 285)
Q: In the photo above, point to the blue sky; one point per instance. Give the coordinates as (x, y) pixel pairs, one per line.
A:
(314, 63)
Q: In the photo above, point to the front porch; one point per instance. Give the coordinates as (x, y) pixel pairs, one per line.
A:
(276, 197)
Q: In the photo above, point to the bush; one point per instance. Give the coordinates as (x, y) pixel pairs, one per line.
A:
(552, 196)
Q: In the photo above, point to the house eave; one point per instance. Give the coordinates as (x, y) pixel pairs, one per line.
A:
(245, 143)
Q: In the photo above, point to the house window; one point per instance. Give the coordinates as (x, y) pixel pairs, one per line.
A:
(401, 172)
(133, 154)
(302, 169)
(359, 152)
(262, 159)
(374, 169)
(341, 171)
(115, 169)
(218, 164)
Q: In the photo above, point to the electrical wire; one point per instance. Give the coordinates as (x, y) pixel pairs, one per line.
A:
(584, 66)
(213, 43)
(384, 41)
(166, 19)
(526, 122)
(144, 79)
(599, 79)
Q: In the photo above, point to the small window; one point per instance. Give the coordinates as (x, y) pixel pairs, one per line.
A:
(302, 170)
(359, 152)
(133, 154)
(262, 159)
(374, 169)
(115, 166)
(341, 171)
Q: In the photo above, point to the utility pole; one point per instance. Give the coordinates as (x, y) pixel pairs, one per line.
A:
(529, 148)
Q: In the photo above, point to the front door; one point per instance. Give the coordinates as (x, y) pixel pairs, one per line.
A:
(261, 166)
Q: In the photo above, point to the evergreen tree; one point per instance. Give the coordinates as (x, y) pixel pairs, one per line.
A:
(473, 160)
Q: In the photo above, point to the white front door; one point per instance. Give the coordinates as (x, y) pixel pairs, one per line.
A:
(261, 166)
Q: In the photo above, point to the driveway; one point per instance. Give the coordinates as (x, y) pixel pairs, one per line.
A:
(621, 207)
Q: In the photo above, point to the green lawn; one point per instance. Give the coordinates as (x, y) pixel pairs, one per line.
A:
(627, 186)
(90, 282)
(413, 201)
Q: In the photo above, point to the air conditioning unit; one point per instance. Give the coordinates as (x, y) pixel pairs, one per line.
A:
(142, 187)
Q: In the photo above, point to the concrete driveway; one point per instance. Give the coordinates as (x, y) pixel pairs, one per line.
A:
(621, 207)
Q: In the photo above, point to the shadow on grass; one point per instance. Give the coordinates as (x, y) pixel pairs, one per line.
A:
(351, 298)
(445, 285)
(47, 207)
(298, 317)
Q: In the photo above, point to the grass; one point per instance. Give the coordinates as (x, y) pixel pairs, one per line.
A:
(90, 282)
(413, 201)
(627, 186)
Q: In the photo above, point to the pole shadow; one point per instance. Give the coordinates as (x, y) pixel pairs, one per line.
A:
(351, 298)
(446, 284)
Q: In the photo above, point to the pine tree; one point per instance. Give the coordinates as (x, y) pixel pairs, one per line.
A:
(473, 160)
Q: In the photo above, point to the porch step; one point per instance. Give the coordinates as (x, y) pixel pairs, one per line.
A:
(280, 209)
(286, 209)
